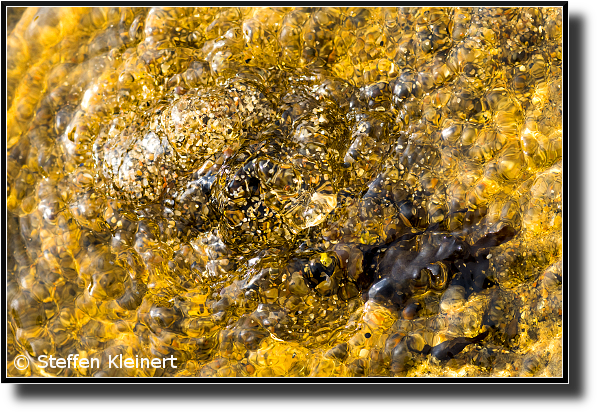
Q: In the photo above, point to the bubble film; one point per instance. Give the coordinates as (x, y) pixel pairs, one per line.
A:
(285, 191)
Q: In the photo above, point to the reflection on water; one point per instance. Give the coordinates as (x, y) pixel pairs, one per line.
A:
(286, 191)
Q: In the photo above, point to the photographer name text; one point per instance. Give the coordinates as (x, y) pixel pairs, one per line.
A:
(116, 361)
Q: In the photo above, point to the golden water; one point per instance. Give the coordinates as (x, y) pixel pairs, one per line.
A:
(286, 191)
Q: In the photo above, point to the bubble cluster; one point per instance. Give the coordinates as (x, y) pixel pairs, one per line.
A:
(286, 191)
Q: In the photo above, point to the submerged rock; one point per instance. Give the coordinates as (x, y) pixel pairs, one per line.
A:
(286, 191)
